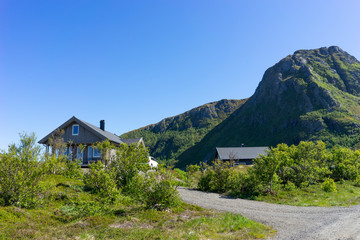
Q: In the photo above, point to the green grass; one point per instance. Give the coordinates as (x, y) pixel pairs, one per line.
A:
(346, 195)
(67, 211)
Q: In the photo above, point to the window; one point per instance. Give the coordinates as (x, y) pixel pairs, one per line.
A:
(79, 154)
(89, 152)
(96, 153)
(75, 129)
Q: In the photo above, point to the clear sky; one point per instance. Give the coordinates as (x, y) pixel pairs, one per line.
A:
(136, 62)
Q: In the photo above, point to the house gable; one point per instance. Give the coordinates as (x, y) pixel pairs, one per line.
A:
(84, 137)
(88, 133)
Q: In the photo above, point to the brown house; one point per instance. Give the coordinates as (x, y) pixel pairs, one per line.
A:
(76, 132)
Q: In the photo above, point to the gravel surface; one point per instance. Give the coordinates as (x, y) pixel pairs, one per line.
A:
(290, 222)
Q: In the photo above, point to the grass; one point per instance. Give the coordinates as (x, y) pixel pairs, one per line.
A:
(346, 195)
(67, 211)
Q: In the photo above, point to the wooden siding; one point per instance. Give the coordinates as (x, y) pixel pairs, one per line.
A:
(84, 137)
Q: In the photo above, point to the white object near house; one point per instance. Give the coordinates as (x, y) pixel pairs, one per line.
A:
(152, 162)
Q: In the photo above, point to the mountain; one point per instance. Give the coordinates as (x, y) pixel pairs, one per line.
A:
(171, 136)
(310, 95)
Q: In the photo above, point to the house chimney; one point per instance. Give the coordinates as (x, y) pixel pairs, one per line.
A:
(102, 125)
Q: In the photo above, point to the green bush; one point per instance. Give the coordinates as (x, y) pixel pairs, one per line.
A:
(20, 173)
(72, 169)
(154, 189)
(102, 181)
(289, 186)
(244, 185)
(128, 162)
(191, 171)
(329, 185)
(344, 163)
(215, 178)
(357, 182)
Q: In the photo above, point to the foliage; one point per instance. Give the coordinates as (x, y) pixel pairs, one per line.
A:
(284, 168)
(221, 177)
(128, 162)
(308, 162)
(266, 166)
(61, 165)
(72, 168)
(154, 189)
(191, 171)
(106, 151)
(329, 185)
(80, 215)
(102, 181)
(344, 163)
(20, 173)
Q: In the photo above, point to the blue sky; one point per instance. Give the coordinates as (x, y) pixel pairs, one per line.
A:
(134, 63)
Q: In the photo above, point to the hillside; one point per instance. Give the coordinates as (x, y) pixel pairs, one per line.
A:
(171, 136)
(310, 95)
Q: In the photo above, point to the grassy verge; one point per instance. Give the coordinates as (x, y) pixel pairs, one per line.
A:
(67, 211)
(346, 195)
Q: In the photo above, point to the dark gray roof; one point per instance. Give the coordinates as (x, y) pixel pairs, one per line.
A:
(227, 153)
(95, 130)
(104, 134)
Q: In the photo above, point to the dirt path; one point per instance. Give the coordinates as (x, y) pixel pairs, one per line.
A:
(291, 222)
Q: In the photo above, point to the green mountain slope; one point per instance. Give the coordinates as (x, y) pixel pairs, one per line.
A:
(168, 138)
(310, 95)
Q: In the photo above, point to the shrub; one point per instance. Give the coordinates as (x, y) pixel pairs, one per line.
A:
(72, 168)
(357, 182)
(344, 163)
(329, 185)
(154, 189)
(191, 171)
(128, 162)
(289, 186)
(205, 179)
(20, 173)
(101, 181)
(244, 185)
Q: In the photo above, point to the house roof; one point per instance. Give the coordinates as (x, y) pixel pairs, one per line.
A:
(95, 130)
(227, 153)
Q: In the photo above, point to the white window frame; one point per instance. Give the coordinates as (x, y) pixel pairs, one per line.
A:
(73, 126)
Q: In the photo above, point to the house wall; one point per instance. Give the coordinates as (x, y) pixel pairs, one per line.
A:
(84, 137)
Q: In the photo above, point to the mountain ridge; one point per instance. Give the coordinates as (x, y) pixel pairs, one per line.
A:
(168, 138)
(309, 95)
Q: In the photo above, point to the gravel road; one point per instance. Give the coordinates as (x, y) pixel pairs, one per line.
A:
(301, 223)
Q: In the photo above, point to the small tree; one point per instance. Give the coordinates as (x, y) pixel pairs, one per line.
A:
(105, 148)
(190, 172)
(154, 189)
(128, 162)
(101, 180)
(20, 173)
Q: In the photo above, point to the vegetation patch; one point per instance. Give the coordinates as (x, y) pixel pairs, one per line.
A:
(142, 204)
(304, 175)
